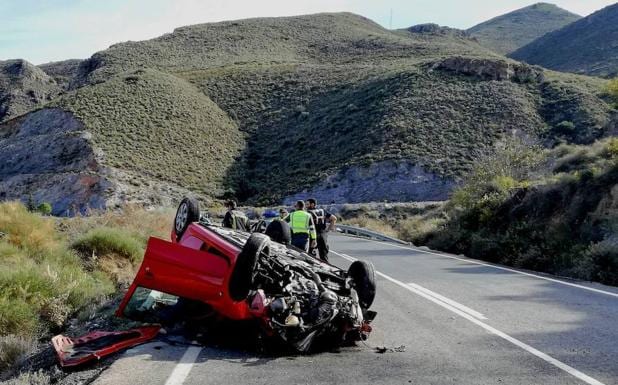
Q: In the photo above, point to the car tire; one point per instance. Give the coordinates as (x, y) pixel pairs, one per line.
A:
(188, 212)
(242, 278)
(280, 232)
(363, 276)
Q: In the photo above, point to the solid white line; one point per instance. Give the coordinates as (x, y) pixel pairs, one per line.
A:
(561, 365)
(469, 260)
(182, 369)
(448, 301)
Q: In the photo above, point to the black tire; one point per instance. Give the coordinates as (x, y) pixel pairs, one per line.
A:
(363, 276)
(280, 232)
(243, 275)
(188, 212)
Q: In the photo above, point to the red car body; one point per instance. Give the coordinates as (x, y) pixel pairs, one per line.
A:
(198, 266)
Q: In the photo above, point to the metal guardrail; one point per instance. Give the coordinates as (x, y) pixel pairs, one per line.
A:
(360, 232)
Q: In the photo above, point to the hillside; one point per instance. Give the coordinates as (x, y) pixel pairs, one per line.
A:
(506, 33)
(265, 109)
(23, 86)
(588, 46)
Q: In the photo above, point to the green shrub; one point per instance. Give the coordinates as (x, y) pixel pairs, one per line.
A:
(12, 349)
(603, 257)
(17, 316)
(612, 90)
(104, 240)
(44, 208)
(41, 281)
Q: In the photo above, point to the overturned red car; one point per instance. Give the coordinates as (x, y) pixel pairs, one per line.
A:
(295, 297)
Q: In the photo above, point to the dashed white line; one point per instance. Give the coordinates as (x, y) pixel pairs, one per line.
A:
(469, 260)
(182, 369)
(559, 364)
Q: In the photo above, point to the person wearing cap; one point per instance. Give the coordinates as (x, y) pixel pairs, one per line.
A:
(303, 229)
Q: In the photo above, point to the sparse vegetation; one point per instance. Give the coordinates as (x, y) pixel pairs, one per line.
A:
(554, 211)
(506, 33)
(47, 273)
(157, 126)
(612, 91)
(243, 108)
(585, 46)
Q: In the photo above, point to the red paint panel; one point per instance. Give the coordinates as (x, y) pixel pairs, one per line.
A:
(189, 273)
(98, 344)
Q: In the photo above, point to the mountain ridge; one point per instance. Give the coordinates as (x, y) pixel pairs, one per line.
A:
(587, 46)
(508, 32)
(282, 106)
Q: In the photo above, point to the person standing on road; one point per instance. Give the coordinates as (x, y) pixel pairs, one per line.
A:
(320, 217)
(235, 219)
(303, 229)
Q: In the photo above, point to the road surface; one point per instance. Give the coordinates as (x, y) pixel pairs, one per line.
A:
(461, 321)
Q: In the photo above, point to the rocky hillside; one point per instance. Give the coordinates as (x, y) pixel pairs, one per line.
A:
(588, 46)
(506, 33)
(264, 109)
(23, 86)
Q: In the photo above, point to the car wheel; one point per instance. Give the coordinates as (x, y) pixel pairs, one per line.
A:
(187, 213)
(279, 231)
(243, 275)
(363, 277)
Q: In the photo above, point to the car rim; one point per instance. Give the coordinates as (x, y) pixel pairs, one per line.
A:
(181, 217)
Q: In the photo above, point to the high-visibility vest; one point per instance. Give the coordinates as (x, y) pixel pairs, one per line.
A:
(300, 222)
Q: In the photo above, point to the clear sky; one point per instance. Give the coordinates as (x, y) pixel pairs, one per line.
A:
(48, 30)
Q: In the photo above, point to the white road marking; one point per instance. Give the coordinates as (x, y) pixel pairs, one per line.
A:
(561, 365)
(447, 301)
(182, 369)
(469, 260)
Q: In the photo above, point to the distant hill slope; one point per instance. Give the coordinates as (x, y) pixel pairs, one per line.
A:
(506, 33)
(23, 86)
(264, 109)
(588, 46)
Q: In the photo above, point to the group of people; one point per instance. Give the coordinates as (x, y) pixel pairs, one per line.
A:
(307, 225)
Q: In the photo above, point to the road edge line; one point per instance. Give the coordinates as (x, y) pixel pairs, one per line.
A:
(545, 357)
(471, 260)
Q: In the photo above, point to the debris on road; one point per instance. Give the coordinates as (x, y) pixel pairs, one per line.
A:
(396, 349)
(98, 344)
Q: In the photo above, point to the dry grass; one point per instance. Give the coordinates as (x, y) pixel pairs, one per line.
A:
(47, 273)
(12, 349)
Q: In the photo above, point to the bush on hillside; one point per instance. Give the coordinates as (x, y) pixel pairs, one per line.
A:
(105, 240)
(612, 90)
(44, 208)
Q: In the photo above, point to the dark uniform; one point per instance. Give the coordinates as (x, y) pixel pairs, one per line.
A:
(319, 218)
(236, 220)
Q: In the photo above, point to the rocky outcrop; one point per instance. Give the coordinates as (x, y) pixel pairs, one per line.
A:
(395, 181)
(435, 29)
(23, 87)
(490, 69)
(48, 156)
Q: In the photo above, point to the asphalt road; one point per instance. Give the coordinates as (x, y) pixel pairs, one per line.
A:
(461, 322)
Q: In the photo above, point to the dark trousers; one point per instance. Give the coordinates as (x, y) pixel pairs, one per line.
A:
(301, 241)
(323, 246)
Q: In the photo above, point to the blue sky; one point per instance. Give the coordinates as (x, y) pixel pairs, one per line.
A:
(48, 30)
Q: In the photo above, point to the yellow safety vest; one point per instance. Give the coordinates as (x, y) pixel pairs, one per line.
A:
(300, 222)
